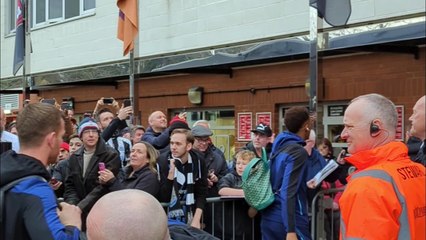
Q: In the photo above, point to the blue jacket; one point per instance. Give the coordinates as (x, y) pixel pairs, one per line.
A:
(30, 206)
(288, 180)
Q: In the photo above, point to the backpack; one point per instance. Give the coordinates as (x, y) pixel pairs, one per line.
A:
(4, 189)
(256, 183)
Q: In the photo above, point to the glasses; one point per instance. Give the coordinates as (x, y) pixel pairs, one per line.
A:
(90, 131)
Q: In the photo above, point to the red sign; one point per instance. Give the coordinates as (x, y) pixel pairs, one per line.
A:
(244, 126)
(264, 117)
(400, 123)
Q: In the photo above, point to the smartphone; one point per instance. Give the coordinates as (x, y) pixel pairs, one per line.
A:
(108, 100)
(53, 181)
(343, 154)
(127, 102)
(66, 105)
(49, 101)
(101, 166)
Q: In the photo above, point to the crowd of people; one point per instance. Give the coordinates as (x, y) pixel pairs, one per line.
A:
(66, 178)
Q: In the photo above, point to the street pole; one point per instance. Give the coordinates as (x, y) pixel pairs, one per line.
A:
(26, 68)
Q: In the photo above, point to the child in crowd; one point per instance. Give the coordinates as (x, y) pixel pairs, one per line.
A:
(231, 185)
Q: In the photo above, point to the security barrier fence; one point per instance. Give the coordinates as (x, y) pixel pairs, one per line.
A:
(222, 218)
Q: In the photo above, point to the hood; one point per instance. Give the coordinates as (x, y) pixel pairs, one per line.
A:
(15, 166)
(285, 138)
(390, 152)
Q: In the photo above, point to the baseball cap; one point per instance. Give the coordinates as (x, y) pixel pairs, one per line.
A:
(263, 129)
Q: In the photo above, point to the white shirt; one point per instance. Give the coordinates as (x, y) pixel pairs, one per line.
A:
(10, 137)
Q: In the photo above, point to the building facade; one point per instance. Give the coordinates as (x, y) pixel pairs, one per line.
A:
(250, 58)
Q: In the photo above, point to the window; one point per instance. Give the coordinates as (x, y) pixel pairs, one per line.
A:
(43, 12)
(12, 19)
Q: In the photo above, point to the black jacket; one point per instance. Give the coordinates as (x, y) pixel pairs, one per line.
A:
(200, 182)
(85, 191)
(159, 140)
(144, 179)
(214, 162)
(30, 206)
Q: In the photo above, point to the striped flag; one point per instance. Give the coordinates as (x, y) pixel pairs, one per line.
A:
(334, 12)
(127, 23)
(18, 58)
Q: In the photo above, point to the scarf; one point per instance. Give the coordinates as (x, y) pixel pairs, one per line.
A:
(183, 190)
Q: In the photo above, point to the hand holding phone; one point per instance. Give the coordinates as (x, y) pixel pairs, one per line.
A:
(127, 102)
(101, 166)
(53, 181)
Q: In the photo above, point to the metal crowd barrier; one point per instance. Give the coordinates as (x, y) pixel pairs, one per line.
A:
(323, 214)
(220, 202)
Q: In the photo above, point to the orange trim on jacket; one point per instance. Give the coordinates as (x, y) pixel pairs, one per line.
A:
(370, 206)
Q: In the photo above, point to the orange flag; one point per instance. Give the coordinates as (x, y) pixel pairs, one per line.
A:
(127, 23)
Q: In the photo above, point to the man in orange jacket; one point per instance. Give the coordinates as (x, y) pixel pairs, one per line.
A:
(385, 198)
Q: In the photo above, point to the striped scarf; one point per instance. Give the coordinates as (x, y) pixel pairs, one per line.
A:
(183, 189)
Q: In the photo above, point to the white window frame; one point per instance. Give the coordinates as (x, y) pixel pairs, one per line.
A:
(48, 21)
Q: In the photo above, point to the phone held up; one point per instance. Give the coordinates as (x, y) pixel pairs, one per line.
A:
(101, 166)
(66, 105)
(108, 100)
(127, 102)
(49, 101)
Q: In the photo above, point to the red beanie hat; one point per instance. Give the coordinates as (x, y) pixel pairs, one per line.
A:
(65, 146)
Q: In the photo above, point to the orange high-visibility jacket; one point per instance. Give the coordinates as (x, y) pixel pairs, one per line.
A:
(385, 198)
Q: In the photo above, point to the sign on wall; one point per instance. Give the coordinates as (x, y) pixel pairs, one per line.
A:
(399, 136)
(244, 126)
(263, 117)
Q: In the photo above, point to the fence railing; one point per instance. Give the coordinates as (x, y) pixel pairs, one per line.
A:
(324, 219)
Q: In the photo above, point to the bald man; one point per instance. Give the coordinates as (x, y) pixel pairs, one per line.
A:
(418, 128)
(142, 217)
(387, 189)
(156, 133)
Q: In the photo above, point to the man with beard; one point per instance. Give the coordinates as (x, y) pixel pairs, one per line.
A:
(29, 206)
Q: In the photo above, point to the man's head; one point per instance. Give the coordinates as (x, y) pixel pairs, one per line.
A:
(89, 133)
(104, 117)
(417, 119)
(136, 133)
(157, 121)
(261, 136)
(202, 137)
(41, 128)
(370, 121)
(298, 121)
(142, 218)
(181, 141)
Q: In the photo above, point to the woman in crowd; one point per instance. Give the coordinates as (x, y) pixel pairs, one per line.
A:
(140, 173)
